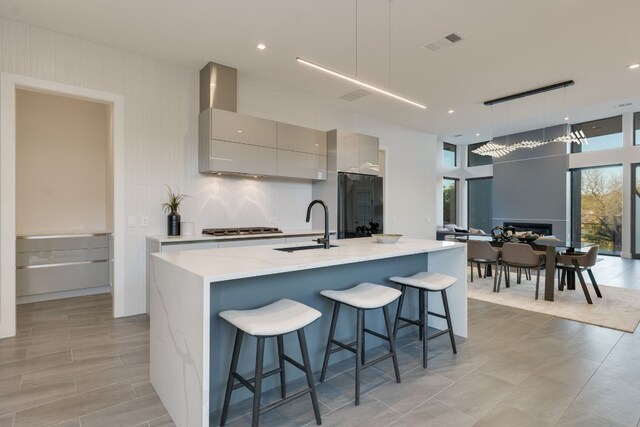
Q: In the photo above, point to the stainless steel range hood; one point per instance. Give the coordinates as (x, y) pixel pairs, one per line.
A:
(218, 87)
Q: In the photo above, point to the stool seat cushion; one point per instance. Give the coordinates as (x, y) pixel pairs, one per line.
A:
(426, 280)
(280, 317)
(365, 295)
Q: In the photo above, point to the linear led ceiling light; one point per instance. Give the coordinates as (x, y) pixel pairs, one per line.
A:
(359, 82)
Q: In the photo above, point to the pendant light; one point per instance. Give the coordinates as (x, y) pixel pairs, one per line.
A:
(355, 79)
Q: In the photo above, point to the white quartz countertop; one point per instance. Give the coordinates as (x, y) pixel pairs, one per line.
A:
(209, 238)
(215, 265)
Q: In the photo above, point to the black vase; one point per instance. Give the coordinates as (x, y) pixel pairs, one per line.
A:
(173, 224)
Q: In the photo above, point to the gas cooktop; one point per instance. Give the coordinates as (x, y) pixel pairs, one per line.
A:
(240, 231)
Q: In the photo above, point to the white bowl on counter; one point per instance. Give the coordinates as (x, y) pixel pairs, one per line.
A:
(386, 238)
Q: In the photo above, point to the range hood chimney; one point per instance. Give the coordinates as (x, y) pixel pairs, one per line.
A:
(218, 87)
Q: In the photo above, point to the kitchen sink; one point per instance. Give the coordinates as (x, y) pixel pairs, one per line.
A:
(302, 248)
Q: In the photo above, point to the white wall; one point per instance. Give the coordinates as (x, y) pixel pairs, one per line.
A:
(62, 147)
(161, 114)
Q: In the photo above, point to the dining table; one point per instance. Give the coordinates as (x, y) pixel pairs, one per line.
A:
(550, 246)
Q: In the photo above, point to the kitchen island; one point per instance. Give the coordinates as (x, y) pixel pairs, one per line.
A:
(191, 346)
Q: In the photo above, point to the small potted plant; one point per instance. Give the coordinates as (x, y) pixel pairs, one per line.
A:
(171, 208)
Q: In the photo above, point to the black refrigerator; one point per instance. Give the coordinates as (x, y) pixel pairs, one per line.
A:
(359, 205)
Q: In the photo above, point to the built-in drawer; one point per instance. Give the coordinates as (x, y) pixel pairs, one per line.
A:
(35, 280)
(47, 264)
(56, 257)
(57, 243)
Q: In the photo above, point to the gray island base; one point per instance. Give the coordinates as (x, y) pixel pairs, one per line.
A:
(191, 346)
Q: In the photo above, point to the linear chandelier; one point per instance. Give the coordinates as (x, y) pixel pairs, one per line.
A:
(359, 82)
(498, 150)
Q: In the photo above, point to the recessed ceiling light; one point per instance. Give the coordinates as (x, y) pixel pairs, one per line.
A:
(451, 111)
(633, 66)
(566, 119)
(261, 46)
(239, 131)
(477, 134)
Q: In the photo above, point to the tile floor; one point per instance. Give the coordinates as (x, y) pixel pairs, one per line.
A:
(73, 365)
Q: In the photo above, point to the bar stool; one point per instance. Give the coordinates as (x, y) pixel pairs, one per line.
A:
(425, 282)
(273, 320)
(363, 297)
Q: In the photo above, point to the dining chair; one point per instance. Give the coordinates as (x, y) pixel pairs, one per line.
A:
(521, 256)
(577, 263)
(480, 252)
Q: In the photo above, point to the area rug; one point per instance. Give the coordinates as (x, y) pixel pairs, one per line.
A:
(619, 308)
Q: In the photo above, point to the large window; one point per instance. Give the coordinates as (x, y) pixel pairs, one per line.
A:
(596, 207)
(636, 128)
(449, 196)
(601, 134)
(449, 155)
(474, 159)
(479, 203)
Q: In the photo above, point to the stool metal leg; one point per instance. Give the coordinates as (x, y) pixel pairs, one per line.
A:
(283, 380)
(307, 370)
(332, 331)
(421, 309)
(364, 336)
(448, 316)
(392, 342)
(403, 288)
(424, 299)
(257, 388)
(230, 380)
(359, 341)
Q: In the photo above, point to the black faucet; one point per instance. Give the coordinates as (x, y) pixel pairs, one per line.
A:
(325, 239)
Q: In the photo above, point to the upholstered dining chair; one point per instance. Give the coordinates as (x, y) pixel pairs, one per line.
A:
(577, 263)
(480, 252)
(521, 256)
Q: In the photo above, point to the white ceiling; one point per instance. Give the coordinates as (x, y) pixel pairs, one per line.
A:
(508, 46)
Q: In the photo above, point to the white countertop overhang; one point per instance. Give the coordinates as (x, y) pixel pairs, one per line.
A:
(216, 265)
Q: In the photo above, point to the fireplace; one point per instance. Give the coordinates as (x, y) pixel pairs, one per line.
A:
(534, 227)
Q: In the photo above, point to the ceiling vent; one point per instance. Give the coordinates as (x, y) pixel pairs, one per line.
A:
(442, 42)
(458, 135)
(356, 94)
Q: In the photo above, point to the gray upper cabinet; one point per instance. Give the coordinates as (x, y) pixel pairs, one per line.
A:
(304, 140)
(294, 164)
(302, 152)
(242, 158)
(356, 153)
(236, 143)
(235, 127)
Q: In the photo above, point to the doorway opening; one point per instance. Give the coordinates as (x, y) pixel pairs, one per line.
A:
(11, 87)
(64, 196)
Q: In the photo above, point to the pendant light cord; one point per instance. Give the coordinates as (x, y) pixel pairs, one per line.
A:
(389, 45)
(356, 39)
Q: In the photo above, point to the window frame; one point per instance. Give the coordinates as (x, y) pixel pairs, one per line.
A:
(467, 180)
(469, 153)
(452, 148)
(576, 148)
(636, 127)
(576, 208)
(456, 188)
